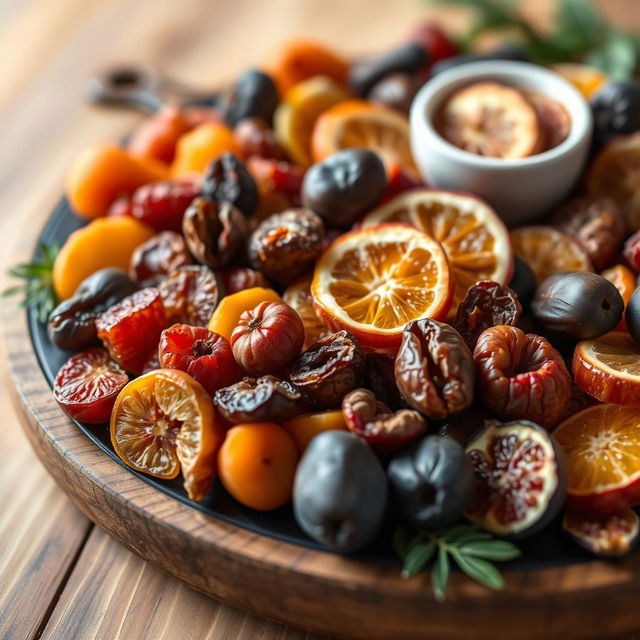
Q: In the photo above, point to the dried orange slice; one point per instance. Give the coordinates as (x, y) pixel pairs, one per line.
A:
(587, 80)
(490, 119)
(298, 112)
(602, 444)
(374, 281)
(615, 173)
(357, 123)
(547, 251)
(164, 422)
(298, 297)
(608, 368)
(474, 238)
(624, 281)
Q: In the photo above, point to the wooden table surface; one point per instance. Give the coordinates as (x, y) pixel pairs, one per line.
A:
(61, 577)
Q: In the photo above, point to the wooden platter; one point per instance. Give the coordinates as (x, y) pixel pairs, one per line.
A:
(271, 574)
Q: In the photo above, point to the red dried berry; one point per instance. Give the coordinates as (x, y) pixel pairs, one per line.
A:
(161, 205)
(279, 176)
(255, 137)
(631, 251)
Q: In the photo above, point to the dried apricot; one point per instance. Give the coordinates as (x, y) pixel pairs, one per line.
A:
(305, 427)
(157, 137)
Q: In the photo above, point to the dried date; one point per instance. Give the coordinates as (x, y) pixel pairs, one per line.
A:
(226, 179)
(157, 257)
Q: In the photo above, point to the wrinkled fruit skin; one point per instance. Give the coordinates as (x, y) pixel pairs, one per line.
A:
(87, 385)
(344, 186)
(611, 536)
(157, 257)
(375, 423)
(267, 338)
(329, 369)
(214, 232)
(616, 109)
(381, 379)
(254, 95)
(521, 376)
(577, 305)
(286, 244)
(204, 355)
(431, 483)
(226, 179)
(161, 205)
(340, 492)
(265, 399)
(256, 138)
(523, 282)
(72, 324)
(486, 304)
(434, 369)
(632, 315)
(236, 279)
(521, 478)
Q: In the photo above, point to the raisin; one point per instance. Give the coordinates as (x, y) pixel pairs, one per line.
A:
(226, 179)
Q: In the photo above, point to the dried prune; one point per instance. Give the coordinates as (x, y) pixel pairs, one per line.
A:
(267, 338)
(157, 257)
(190, 295)
(597, 223)
(286, 244)
(214, 232)
(523, 282)
(434, 369)
(616, 109)
(72, 324)
(381, 379)
(486, 304)
(377, 424)
(521, 376)
(226, 179)
(237, 279)
(632, 315)
(253, 95)
(264, 399)
(329, 369)
(256, 138)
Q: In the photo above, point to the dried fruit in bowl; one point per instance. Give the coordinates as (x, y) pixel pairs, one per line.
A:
(163, 423)
(611, 536)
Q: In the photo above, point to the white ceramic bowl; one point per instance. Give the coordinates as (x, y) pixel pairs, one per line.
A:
(521, 190)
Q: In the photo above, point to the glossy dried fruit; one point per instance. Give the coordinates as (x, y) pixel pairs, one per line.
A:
(486, 304)
(521, 376)
(87, 384)
(329, 369)
(131, 329)
(631, 251)
(381, 379)
(434, 369)
(226, 179)
(267, 338)
(611, 536)
(190, 295)
(157, 257)
(214, 232)
(236, 279)
(396, 91)
(298, 297)
(204, 355)
(597, 223)
(377, 424)
(523, 282)
(259, 399)
(253, 95)
(72, 324)
(256, 138)
(632, 315)
(286, 244)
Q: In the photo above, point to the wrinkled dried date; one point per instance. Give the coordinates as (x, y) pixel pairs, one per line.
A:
(157, 257)
(381, 379)
(329, 369)
(259, 399)
(226, 179)
(434, 369)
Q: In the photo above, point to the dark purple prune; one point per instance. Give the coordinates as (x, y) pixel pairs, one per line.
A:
(253, 95)
(226, 179)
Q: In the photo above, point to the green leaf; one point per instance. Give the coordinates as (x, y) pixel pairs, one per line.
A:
(578, 25)
(479, 570)
(440, 574)
(12, 291)
(417, 558)
(490, 549)
(472, 535)
(400, 541)
(617, 55)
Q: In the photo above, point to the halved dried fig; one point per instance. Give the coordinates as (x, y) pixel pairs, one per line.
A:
(614, 535)
(521, 478)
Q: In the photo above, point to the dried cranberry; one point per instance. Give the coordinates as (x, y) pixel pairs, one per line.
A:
(255, 137)
(434, 369)
(521, 376)
(486, 304)
(329, 369)
(226, 179)
(237, 279)
(157, 257)
(256, 400)
(267, 338)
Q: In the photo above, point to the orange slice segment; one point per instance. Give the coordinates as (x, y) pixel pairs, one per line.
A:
(298, 297)
(356, 123)
(374, 281)
(624, 280)
(162, 423)
(474, 238)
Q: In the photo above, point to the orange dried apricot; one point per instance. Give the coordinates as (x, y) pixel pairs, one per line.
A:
(105, 242)
(305, 427)
(104, 172)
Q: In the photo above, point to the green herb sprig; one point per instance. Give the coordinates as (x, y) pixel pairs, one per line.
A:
(473, 550)
(37, 287)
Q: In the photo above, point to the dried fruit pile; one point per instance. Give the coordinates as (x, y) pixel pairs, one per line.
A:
(283, 305)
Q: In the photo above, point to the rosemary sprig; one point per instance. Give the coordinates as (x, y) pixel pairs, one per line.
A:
(472, 549)
(37, 288)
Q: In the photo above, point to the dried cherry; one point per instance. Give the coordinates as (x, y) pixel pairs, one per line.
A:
(214, 232)
(157, 257)
(226, 179)
(256, 138)
(521, 376)
(190, 295)
(329, 369)
(72, 324)
(236, 279)
(434, 369)
(267, 338)
(273, 176)
(486, 304)
(286, 244)
(377, 424)
(264, 399)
